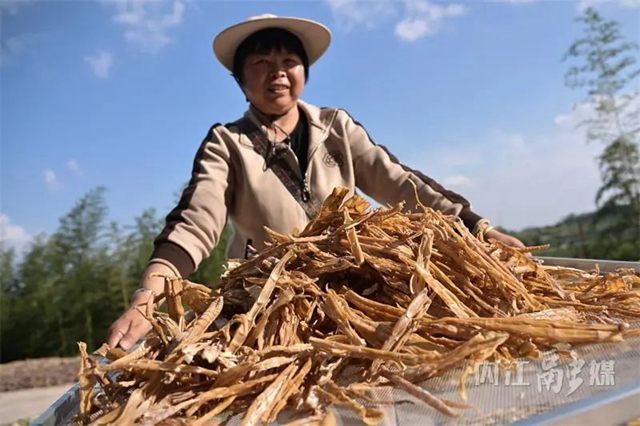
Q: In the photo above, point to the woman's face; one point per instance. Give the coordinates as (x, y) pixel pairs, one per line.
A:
(273, 81)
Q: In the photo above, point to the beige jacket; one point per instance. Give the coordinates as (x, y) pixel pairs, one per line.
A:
(229, 182)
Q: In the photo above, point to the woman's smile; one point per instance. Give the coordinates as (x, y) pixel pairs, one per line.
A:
(278, 90)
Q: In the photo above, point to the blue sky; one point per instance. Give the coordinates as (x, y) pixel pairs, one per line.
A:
(120, 94)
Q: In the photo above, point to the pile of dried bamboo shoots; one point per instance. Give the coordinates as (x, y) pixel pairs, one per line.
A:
(361, 298)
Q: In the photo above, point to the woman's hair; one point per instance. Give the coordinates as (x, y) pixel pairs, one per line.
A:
(265, 41)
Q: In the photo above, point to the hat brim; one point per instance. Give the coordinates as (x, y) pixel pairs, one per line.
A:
(314, 36)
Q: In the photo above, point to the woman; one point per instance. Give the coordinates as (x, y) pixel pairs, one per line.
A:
(276, 164)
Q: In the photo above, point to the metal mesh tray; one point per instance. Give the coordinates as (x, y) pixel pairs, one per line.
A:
(601, 386)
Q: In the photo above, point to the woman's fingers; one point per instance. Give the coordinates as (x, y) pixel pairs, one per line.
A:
(127, 329)
(505, 238)
(117, 331)
(137, 329)
(114, 337)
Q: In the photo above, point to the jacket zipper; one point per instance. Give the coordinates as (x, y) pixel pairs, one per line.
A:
(304, 184)
(306, 190)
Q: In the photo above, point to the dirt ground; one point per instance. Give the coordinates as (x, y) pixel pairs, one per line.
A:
(19, 408)
(38, 373)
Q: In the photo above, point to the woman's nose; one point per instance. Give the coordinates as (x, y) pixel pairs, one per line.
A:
(277, 69)
(278, 65)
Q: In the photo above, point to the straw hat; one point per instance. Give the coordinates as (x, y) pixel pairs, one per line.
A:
(314, 36)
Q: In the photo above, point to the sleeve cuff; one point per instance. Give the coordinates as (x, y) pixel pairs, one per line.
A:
(469, 218)
(174, 256)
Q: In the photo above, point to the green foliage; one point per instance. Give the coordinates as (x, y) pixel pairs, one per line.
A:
(602, 69)
(71, 286)
(586, 236)
(8, 275)
(606, 66)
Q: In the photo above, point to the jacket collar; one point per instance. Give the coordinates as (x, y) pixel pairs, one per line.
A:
(317, 125)
(313, 114)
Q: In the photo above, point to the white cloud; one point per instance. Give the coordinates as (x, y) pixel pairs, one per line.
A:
(410, 29)
(350, 13)
(552, 176)
(425, 19)
(101, 63)
(147, 23)
(421, 18)
(579, 112)
(13, 236)
(12, 47)
(586, 113)
(51, 180)
(518, 180)
(457, 181)
(74, 167)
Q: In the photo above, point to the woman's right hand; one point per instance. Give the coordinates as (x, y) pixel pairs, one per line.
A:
(133, 325)
(128, 329)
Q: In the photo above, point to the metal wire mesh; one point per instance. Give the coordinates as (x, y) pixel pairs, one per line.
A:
(499, 396)
(544, 385)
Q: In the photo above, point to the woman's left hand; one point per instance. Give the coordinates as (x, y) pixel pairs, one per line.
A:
(504, 238)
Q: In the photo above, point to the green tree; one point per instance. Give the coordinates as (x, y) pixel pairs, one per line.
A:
(9, 289)
(80, 245)
(61, 293)
(132, 253)
(606, 68)
(8, 275)
(71, 286)
(30, 319)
